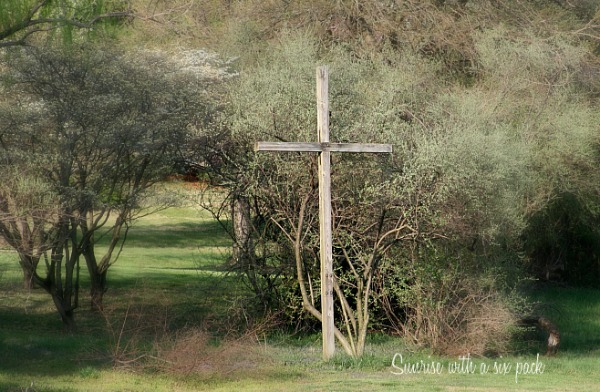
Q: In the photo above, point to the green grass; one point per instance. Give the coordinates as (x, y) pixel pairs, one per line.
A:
(170, 279)
(576, 313)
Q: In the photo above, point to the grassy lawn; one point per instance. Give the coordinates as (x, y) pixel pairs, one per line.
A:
(169, 287)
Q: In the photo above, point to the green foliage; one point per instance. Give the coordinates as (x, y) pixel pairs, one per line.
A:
(440, 30)
(451, 176)
(57, 19)
(97, 127)
(491, 108)
(471, 162)
(99, 124)
(563, 241)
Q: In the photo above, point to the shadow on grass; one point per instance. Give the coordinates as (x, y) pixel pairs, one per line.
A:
(171, 279)
(181, 234)
(43, 352)
(33, 342)
(576, 313)
(14, 387)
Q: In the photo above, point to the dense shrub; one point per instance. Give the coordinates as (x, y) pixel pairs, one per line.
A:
(489, 112)
(452, 304)
(562, 241)
(451, 180)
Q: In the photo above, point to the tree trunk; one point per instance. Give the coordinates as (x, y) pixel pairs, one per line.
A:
(546, 325)
(97, 280)
(553, 336)
(98, 270)
(243, 246)
(62, 281)
(28, 265)
(97, 290)
(65, 310)
(27, 279)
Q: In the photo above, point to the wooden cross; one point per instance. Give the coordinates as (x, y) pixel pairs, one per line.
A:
(324, 148)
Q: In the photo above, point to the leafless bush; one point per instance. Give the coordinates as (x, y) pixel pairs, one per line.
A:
(131, 335)
(140, 339)
(477, 323)
(453, 313)
(195, 351)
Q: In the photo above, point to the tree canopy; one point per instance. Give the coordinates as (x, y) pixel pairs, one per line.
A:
(21, 19)
(87, 131)
(491, 107)
(489, 125)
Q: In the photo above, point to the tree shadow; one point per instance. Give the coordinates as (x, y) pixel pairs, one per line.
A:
(182, 234)
(147, 298)
(15, 387)
(576, 314)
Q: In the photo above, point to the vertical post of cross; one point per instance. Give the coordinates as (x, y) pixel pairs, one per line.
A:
(326, 253)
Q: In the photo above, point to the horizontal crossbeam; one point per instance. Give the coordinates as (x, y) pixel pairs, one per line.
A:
(322, 147)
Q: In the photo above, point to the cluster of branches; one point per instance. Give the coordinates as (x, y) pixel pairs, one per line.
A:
(85, 134)
(470, 164)
(90, 132)
(21, 19)
(272, 199)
